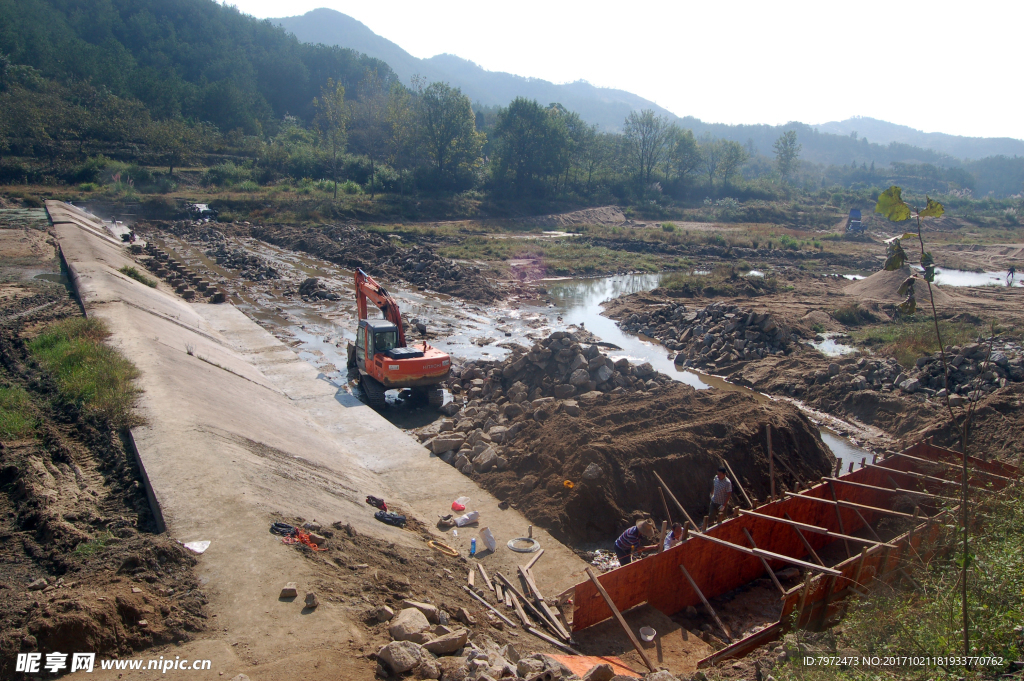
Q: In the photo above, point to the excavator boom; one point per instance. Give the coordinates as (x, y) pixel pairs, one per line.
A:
(367, 288)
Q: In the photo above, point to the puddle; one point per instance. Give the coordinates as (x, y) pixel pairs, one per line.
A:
(944, 277)
(846, 451)
(852, 277)
(755, 273)
(830, 348)
(61, 278)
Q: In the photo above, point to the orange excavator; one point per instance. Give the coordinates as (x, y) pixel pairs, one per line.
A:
(383, 359)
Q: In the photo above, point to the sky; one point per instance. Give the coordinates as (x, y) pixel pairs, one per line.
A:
(934, 66)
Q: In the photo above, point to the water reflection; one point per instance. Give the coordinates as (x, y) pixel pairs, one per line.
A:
(944, 277)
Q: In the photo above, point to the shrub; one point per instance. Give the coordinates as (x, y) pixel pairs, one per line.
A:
(350, 187)
(248, 186)
(88, 373)
(138, 276)
(668, 227)
(851, 314)
(87, 186)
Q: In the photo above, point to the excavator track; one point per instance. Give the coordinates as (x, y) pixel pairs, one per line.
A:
(435, 397)
(374, 391)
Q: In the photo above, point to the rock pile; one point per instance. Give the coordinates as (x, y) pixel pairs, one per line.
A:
(558, 374)
(351, 247)
(974, 372)
(313, 289)
(434, 650)
(714, 335)
(251, 267)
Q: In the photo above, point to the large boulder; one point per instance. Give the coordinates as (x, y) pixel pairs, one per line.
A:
(602, 374)
(579, 377)
(485, 460)
(448, 643)
(408, 624)
(442, 443)
(429, 611)
(400, 656)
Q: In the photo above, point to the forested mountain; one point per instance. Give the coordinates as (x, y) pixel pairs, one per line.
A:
(605, 107)
(960, 147)
(198, 60)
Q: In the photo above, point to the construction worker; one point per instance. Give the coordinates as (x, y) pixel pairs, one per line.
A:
(675, 537)
(1010, 274)
(630, 542)
(721, 493)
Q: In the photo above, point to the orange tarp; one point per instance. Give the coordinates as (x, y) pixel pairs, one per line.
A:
(581, 664)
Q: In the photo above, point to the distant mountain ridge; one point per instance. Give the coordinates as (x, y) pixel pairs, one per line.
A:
(883, 132)
(605, 107)
(828, 143)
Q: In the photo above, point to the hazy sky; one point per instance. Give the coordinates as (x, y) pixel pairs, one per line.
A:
(936, 66)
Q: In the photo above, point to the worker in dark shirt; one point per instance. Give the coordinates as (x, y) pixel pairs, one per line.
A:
(630, 542)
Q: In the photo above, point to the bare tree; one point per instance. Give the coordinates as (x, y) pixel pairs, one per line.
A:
(646, 137)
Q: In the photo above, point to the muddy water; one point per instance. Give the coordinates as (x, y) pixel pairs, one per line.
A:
(945, 277)
(319, 331)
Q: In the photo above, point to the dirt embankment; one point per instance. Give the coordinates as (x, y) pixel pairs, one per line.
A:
(351, 247)
(562, 411)
(80, 567)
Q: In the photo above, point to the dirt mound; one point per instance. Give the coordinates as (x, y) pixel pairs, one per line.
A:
(610, 451)
(995, 427)
(351, 247)
(882, 286)
(80, 567)
(523, 438)
(604, 215)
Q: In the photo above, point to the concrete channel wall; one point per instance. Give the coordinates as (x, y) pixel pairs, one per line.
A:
(237, 427)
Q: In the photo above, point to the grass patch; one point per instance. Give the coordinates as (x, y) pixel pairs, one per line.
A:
(903, 622)
(88, 373)
(138, 276)
(558, 257)
(87, 549)
(908, 340)
(17, 418)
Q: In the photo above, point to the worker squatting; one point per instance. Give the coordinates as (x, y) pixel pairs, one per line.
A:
(630, 544)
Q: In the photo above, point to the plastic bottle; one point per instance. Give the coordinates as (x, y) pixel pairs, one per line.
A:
(472, 547)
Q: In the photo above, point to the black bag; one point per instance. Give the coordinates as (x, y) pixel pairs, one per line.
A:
(390, 518)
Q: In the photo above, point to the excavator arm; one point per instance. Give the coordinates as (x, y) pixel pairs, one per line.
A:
(367, 288)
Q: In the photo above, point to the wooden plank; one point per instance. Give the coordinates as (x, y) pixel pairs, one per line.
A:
(664, 505)
(922, 476)
(807, 545)
(743, 646)
(543, 606)
(487, 580)
(767, 568)
(809, 528)
(956, 467)
(839, 516)
(533, 560)
(736, 482)
(771, 459)
(767, 554)
(803, 598)
(489, 607)
(852, 505)
(518, 608)
(707, 605)
(898, 489)
(675, 501)
(558, 644)
(471, 578)
(499, 592)
(622, 622)
(519, 597)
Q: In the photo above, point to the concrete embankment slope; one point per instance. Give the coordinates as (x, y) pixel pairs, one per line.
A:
(237, 428)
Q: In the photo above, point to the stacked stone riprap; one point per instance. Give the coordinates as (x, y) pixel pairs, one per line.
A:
(713, 336)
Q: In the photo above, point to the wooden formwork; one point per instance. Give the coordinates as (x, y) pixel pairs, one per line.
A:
(905, 480)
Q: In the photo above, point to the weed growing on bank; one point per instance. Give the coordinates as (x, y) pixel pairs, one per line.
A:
(904, 622)
(913, 338)
(87, 372)
(138, 276)
(17, 418)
